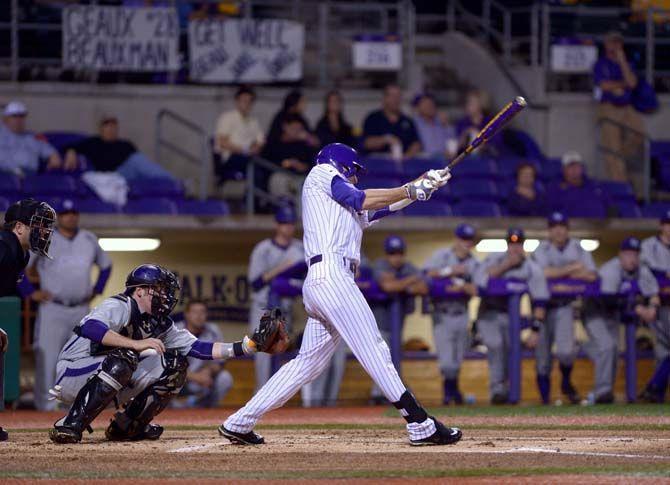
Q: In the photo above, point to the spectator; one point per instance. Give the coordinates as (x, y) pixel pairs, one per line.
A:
(20, 151)
(293, 152)
(614, 81)
(437, 137)
(476, 108)
(294, 104)
(207, 382)
(575, 194)
(238, 135)
(107, 152)
(388, 130)
(332, 127)
(526, 199)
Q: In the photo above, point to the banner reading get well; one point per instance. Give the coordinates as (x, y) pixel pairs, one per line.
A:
(120, 38)
(245, 50)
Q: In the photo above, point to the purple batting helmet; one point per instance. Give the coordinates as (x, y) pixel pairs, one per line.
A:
(342, 157)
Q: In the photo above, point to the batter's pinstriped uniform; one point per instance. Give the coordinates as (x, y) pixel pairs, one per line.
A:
(656, 255)
(335, 306)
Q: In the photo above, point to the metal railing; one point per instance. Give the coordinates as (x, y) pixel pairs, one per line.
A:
(630, 162)
(201, 159)
(254, 192)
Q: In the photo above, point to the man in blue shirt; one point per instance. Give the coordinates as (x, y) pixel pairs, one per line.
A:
(437, 137)
(389, 130)
(614, 82)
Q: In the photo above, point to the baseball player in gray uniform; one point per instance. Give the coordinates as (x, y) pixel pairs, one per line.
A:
(127, 349)
(603, 314)
(207, 382)
(65, 292)
(450, 316)
(655, 254)
(268, 259)
(493, 318)
(560, 256)
(395, 276)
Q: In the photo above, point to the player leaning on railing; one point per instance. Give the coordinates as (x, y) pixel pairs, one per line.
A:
(127, 350)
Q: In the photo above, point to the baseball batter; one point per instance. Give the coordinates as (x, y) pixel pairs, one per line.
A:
(655, 253)
(450, 316)
(560, 257)
(64, 294)
(493, 318)
(268, 259)
(335, 213)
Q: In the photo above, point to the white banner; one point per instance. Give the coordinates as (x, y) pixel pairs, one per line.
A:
(245, 50)
(377, 55)
(573, 59)
(120, 38)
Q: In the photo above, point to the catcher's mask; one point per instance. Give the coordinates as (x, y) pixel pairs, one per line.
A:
(162, 284)
(40, 219)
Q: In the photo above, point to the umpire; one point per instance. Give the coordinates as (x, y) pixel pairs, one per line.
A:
(28, 226)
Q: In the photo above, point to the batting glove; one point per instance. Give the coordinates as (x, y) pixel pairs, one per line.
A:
(420, 189)
(439, 177)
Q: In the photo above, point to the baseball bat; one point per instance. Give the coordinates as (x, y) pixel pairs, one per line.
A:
(494, 126)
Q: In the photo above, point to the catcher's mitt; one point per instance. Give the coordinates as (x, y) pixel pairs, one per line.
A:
(271, 336)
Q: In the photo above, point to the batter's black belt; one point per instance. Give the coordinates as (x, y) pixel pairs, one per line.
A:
(348, 263)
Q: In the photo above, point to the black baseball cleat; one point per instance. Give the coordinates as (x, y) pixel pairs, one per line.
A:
(64, 435)
(651, 395)
(150, 432)
(607, 398)
(500, 399)
(4, 436)
(249, 438)
(571, 394)
(442, 436)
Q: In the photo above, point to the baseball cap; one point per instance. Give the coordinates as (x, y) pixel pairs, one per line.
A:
(556, 218)
(515, 235)
(465, 231)
(66, 205)
(630, 244)
(15, 108)
(665, 218)
(394, 244)
(21, 211)
(285, 214)
(571, 156)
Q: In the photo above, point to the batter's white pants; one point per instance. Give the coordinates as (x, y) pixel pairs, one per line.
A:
(336, 309)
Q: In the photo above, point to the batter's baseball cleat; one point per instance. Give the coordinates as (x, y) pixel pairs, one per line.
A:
(150, 432)
(442, 436)
(249, 438)
(651, 395)
(64, 435)
(571, 394)
(3, 434)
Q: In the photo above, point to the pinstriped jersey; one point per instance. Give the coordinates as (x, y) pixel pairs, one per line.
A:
(655, 254)
(329, 227)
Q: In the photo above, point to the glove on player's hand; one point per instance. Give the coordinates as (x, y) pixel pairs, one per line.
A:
(271, 336)
(439, 177)
(421, 188)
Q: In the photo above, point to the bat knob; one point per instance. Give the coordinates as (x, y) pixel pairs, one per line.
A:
(521, 101)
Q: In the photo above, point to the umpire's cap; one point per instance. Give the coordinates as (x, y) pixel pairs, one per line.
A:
(394, 245)
(631, 244)
(515, 235)
(465, 231)
(285, 214)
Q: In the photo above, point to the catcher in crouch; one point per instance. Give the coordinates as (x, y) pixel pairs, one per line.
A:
(127, 350)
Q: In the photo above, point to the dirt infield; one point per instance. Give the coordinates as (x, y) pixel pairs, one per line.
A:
(353, 444)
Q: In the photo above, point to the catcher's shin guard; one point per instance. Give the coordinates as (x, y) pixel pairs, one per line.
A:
(114, 374)
(133, 422)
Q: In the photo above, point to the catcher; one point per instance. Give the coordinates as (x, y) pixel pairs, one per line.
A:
(127, 350)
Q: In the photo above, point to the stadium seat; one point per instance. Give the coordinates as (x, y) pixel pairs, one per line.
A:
(61, 140)
(617, 190)
(429, 208)
(551, 169)
(479, 189)
(416, 166)
(655, 210)
(479, 167)
(383, 167)
(155, 188)
(150, 205)
(4, 203)
(10, 185)
(628, 209)
(96, 206)
(378, 182)
(476, 208)
(593, 207)
(51, 185)
(203, 207)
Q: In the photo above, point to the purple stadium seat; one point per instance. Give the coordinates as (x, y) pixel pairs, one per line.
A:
(150, 205)
(378, 182)
(628, 209)
(468, 188)
(97, 206)
(551, 169)
(476, 208)
(617, 190)
(203, 207)
(155, 188)
(4, 203)
(416, 166)
(593, 207)
(655, 210)
(49, 199)
(10, 185)
(660, 148)
(50, 184)
(429, 208)
(382, 167)
(60, 140)
(479, 167)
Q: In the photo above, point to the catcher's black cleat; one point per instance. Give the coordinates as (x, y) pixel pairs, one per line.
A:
(3, 434)
(150, 432)
(64, 435)
(249, 438)
(571, 394)
(651, 395)
(607, 398)
(442, 436)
